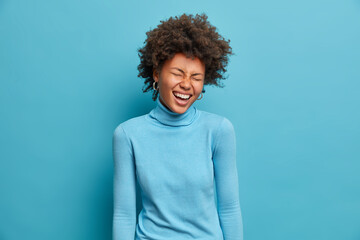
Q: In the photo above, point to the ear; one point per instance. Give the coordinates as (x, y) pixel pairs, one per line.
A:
(155, 75)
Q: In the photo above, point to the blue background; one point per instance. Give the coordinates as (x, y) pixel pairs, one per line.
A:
(68, 77)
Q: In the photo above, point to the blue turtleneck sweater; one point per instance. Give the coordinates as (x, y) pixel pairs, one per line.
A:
(176, 158)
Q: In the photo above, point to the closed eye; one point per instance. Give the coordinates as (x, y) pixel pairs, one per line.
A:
(176, 74)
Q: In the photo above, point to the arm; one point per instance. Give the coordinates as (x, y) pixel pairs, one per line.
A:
(226, 180)
(124, 215)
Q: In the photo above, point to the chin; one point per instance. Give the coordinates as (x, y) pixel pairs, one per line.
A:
(176, 107)
(179, 109)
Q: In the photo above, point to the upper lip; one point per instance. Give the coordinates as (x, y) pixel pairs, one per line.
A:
(183, 93)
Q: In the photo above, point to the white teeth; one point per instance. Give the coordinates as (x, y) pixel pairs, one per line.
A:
(183, 96)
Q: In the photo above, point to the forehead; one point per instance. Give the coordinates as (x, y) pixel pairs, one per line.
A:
(187, 64)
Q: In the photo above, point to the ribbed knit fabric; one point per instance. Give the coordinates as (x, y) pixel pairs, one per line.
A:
(176, 159)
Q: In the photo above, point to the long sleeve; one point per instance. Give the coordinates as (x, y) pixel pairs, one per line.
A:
(124, 212)
(226, 180)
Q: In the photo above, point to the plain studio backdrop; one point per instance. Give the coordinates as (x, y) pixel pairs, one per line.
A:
(68, 77)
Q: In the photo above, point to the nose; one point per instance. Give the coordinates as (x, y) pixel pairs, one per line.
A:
(185, 84)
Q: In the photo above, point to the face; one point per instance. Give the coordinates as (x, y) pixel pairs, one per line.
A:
(180, 82)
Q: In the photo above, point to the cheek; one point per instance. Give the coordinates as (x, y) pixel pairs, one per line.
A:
(199, 87)
(166, 86)
(168, 82)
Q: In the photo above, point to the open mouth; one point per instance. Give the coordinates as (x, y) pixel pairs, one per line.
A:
(182, 98)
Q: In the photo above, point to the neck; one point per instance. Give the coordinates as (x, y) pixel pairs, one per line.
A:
(162, 114)
(162, 102)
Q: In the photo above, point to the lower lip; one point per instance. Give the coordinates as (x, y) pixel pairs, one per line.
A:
(181, 102)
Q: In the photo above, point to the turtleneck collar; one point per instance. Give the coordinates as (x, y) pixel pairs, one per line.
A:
(170, 118)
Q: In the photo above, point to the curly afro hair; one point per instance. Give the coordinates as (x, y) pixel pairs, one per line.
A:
(192, 35)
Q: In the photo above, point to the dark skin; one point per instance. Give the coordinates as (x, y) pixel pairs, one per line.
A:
(180, 82)
(192, 35)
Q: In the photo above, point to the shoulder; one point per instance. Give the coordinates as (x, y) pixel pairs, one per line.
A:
(221, 129)
(218, 122)
(129, 125)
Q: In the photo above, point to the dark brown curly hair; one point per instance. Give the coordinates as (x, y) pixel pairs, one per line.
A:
(192, 35)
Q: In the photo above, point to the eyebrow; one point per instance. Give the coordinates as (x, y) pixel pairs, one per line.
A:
(179, 69)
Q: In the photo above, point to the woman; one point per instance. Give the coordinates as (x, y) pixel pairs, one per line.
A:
(176, 151)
